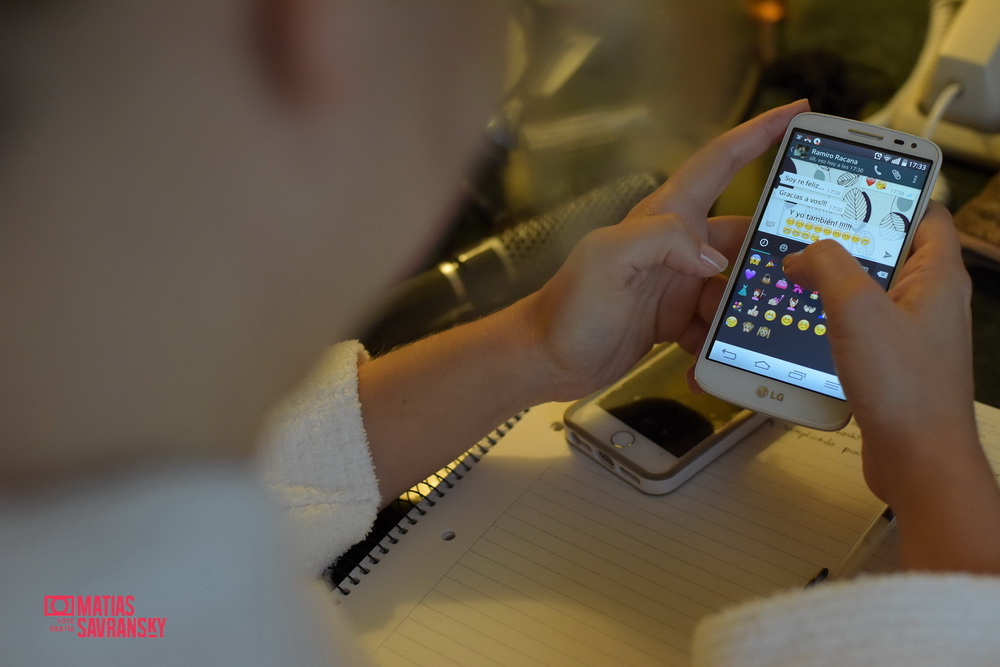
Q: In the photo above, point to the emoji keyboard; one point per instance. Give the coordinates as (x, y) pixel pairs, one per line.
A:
(764, 296)
(774, 326)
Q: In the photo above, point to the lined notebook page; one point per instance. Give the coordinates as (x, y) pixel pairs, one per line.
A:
(554, 561)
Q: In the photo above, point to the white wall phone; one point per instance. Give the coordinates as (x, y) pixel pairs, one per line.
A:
(953, 94)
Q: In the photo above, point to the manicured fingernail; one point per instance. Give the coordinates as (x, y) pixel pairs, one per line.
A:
(713, 258)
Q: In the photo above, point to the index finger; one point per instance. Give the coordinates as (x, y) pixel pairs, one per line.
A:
(693, 188)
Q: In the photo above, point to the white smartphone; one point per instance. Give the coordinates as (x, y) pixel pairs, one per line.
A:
(650, 429)
(863, 186)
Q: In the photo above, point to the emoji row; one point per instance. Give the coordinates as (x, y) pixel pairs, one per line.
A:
(759, 294)
(781, 283)
(776, 301)
(786, 320)
(815, 232)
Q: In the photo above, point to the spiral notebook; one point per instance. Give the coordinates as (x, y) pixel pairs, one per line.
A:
(529, 553)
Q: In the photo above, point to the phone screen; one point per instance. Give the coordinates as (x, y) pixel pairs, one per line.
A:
(825, 188)
(658, 404)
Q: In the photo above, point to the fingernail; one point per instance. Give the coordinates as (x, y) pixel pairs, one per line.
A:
(713, 258)
(790, 260)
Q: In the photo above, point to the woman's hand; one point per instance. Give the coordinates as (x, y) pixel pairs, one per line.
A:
(623, 289)
(629, 286)
(904, 359)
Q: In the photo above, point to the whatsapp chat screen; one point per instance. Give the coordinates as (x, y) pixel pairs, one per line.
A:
(825, 188)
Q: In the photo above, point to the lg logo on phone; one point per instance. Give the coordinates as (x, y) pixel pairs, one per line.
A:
(764, 392)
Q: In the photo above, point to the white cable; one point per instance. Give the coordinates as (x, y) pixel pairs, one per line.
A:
(941, 14)
(942, 190)
(941, 104)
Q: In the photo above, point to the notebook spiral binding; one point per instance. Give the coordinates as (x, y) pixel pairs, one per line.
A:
(391, 523)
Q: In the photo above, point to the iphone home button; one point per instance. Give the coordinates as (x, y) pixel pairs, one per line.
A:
(622, 439)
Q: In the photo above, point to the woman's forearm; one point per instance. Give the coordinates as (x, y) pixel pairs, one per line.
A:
(425, 403)
(949, 518)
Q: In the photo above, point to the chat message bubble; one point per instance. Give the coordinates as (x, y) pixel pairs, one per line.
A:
(813, 216)
(820, 187)
(807, 198)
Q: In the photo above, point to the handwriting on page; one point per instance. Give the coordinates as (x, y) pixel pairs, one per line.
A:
(847, 440)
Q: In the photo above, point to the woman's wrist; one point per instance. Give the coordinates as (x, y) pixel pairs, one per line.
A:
(954, 528)
(948, 507)
(910, 462)
(515, 342)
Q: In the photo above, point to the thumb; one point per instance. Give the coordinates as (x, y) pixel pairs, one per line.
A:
(857, 311)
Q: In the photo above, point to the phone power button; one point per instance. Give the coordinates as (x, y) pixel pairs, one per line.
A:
(622, 439)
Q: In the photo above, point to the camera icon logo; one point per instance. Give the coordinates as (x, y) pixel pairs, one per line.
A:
(59, 605)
